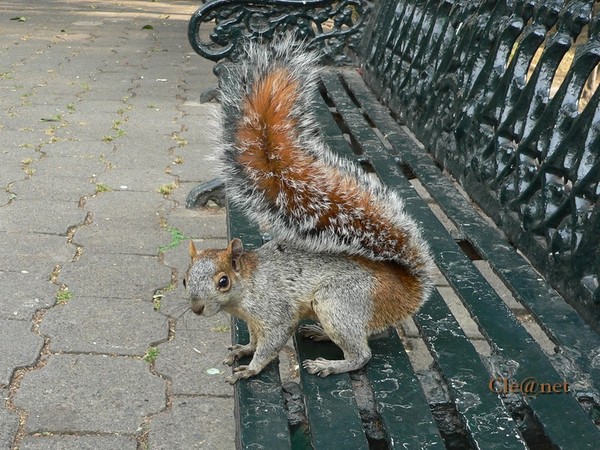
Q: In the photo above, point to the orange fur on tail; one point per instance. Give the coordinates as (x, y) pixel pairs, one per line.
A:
(280, 171)
(283, 171)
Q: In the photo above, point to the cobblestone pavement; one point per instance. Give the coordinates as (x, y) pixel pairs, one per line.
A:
(101, 137)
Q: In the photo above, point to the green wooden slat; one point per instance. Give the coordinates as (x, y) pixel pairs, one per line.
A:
(331, 131)
(496, 321)
(397, 389)
(400, 398)
(467, 377)
(485, 416)
(238, 226)
(330, 406)
(579, 341)
(259, 406)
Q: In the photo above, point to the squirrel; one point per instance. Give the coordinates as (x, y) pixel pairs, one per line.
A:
(344, 252)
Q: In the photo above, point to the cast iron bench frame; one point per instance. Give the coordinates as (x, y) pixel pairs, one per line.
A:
(530, 162)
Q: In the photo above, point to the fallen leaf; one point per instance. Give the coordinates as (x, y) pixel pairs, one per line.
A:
(56, 118)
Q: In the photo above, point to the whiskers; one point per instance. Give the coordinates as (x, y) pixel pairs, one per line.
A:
(177, 309)
(185, 324)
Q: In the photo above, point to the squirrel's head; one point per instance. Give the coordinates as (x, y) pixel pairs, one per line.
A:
(212, 280)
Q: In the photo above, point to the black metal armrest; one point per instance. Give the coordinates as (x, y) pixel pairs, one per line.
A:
(333, 26)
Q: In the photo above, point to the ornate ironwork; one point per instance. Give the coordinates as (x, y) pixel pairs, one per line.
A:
(334, 26)
(484, 86)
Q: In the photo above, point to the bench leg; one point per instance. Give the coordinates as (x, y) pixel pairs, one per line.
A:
(211, 190)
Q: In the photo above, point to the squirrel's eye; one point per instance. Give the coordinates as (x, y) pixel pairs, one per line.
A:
(223, 283)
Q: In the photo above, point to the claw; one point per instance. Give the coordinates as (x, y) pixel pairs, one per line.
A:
(240, 373)
(239, 369)
(319, 366)
(236, 352)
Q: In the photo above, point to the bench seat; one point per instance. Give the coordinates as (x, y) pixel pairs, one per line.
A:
(405, 413)
(440, 102)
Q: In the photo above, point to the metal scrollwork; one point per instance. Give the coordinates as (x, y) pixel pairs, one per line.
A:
(329, 25)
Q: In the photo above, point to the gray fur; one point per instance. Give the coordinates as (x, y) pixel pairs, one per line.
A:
(286, 281)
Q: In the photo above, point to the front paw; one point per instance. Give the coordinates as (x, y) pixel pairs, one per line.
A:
(236, 352)
(240, 373)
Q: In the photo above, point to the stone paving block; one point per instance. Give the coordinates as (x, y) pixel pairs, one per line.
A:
(160, 83)
(19, 121)
(81, 149)
(5, 197)
(68, 168)
(194, 423)
(198, 169)
(205, 223)
(154, 137)
(115, 275)
(145, 103)
(199, 347)
(51, 188)
(13, 356)
(33, 251)
(104, 325)
(78, 443)
(123, 222)
(119, 75)
(155, 147)
(136, 180)
(21, 144)
(198, 115)
(44, 110)
(9, 423)
(159, 113)
(97, 106)
(36, 216)
(63, 179)
(23, 293)
(90, 393)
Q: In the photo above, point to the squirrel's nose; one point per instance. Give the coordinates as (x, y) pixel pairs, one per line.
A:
(197, 308)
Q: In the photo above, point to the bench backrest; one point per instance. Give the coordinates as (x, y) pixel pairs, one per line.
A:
(504, 95)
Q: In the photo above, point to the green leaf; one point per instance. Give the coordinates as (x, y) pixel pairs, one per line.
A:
(19, 18)
(56, 118)
(147, 27)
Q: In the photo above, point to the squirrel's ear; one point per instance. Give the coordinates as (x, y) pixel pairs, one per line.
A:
(236, 250)
(192, 249)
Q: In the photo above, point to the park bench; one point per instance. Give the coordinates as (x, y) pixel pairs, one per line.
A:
(494, 100)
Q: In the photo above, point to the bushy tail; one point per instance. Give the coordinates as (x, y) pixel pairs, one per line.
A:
(279, 170)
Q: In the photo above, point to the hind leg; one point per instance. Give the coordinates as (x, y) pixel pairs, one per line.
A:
(343, 318)
(314, 332)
